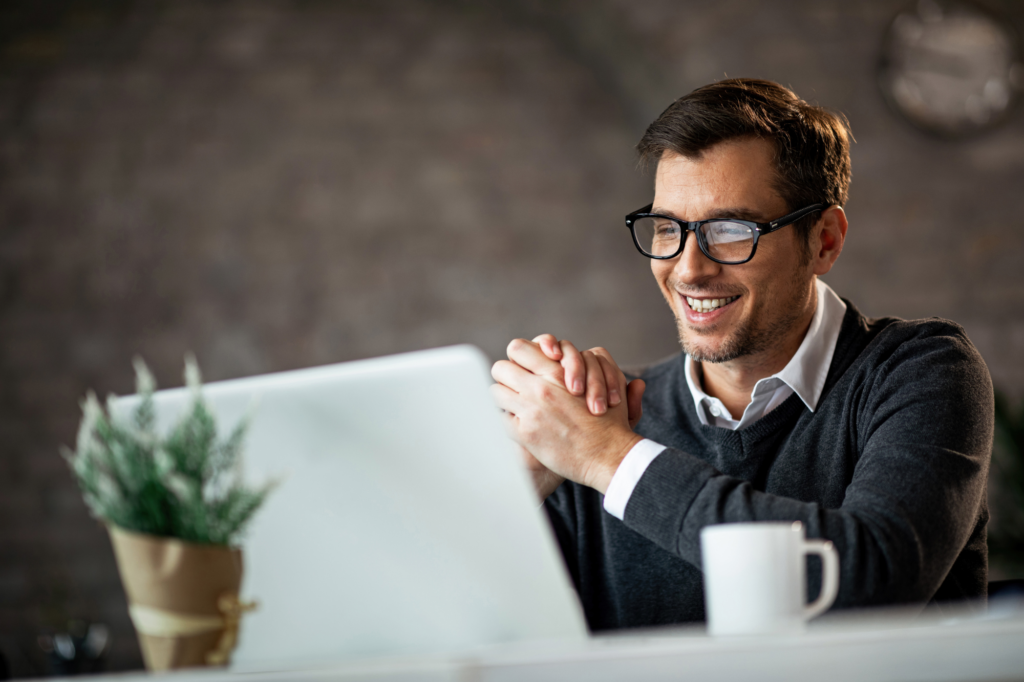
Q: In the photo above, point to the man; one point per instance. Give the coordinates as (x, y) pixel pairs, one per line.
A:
(787, 404)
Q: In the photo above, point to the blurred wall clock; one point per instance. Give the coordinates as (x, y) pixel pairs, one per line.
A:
(950, 67)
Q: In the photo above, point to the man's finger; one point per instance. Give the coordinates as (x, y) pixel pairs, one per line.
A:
(529, 356)
(634, 397)
(575, 368)
(597, 393)
(614, 376)
(511, 427)
(549, 345)
(511, 375)
(612, 380)
(506, 398)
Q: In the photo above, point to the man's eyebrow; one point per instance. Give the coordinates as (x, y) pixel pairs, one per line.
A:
(736, 213)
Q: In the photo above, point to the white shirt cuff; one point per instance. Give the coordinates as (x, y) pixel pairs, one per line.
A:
(632, 467)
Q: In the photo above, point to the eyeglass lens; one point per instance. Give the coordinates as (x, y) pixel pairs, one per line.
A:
(725, 240)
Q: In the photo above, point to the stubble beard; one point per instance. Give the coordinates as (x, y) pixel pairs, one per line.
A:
(748, 338)
(745, 340)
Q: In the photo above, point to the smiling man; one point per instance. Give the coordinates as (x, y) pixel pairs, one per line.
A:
(787, 404)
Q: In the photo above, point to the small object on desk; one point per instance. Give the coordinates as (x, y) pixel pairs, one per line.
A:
(82, 649)
(174, 507)
(182, 598)
(755, 578)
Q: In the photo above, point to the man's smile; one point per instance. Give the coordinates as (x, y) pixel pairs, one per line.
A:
(702, 310)
(705, 305)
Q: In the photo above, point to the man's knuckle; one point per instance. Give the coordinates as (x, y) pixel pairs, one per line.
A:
(555, 376)
(528, 428)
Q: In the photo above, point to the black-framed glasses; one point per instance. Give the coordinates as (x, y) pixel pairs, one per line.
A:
(723, 240)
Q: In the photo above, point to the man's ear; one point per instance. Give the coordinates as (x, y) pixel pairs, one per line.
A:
(826, 239)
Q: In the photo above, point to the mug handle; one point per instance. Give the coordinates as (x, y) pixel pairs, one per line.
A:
(829, 579)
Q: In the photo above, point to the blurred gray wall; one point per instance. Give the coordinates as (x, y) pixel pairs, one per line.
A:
(275, 185)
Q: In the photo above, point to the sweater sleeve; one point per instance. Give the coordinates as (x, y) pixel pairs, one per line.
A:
(921, 424)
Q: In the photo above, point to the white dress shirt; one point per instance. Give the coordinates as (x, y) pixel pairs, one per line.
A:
(804, 375)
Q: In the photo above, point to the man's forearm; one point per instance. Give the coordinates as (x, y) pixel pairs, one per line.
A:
(887, 553)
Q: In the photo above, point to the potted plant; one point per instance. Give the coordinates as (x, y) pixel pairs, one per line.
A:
(174, 507)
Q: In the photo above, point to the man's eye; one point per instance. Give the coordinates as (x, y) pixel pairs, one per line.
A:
(666, 230)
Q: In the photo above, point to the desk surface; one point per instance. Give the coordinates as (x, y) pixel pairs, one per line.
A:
(876, 646)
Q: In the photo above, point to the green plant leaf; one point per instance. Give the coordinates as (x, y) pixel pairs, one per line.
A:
(185, 485)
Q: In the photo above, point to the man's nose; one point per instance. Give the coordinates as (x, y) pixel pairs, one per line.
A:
(693, 266)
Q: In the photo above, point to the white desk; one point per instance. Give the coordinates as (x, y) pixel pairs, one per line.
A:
(877, 647)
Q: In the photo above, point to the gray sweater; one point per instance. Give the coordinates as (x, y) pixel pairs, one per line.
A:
(891, 467)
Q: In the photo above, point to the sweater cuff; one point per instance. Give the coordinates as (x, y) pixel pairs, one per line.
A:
(663, 496)
(631, 468)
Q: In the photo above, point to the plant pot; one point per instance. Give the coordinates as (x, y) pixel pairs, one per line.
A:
(182, 597)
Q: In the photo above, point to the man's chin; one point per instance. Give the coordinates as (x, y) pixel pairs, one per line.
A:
(706, 355)
(709, 350)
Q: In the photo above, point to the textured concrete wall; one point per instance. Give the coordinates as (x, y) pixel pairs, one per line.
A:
(275, 185)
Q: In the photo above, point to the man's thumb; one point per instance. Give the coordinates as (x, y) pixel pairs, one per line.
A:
(634, 395)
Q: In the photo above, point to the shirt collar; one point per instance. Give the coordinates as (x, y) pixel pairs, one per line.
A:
(807, 370)
(805, 373)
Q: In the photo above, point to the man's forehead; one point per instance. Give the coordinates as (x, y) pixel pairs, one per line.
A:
(732, 179)
(748, 155)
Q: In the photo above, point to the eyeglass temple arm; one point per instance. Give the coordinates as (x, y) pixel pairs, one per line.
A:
(792, 217)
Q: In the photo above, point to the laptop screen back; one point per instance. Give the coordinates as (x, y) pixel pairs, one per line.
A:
(404, 522)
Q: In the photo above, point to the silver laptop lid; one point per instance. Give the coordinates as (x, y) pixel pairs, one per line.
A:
(405, 523)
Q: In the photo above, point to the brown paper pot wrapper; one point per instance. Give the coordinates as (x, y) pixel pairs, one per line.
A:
(183, 598)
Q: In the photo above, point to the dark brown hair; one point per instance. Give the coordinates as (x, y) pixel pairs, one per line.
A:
(812, 148)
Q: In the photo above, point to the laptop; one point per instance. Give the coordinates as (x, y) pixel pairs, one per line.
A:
(404, 523)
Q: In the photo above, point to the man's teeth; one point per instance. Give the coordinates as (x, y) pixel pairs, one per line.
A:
(703, 305)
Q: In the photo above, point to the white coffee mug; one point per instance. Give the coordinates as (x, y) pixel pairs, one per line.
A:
(755, 578)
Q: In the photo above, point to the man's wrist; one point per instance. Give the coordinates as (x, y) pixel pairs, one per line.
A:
(628, 475)
(605, 468)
